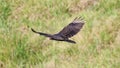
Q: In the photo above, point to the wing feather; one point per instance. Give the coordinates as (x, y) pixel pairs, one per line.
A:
(71, 29)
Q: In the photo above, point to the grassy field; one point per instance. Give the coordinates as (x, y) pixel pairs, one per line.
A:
(98, 43)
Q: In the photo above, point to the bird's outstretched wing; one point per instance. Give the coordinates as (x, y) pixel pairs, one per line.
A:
(44, 34)
(72, 29)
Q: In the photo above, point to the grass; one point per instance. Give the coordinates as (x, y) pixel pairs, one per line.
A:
(97, 45)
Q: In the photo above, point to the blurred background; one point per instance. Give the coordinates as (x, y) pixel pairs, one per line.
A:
(98, 42)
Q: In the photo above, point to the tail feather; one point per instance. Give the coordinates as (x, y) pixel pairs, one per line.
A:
(44, 34)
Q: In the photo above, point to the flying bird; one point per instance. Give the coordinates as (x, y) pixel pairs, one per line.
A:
(67, 32)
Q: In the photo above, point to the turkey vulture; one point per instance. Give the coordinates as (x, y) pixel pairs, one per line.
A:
(67, 32)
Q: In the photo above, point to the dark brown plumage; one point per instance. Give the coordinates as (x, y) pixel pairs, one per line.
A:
(67, 32)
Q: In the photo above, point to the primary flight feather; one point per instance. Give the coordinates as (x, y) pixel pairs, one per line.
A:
(67, 32)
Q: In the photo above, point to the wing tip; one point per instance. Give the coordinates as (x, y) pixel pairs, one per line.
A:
(79, 19)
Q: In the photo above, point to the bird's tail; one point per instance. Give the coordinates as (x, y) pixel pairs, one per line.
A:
(44, 34)
(71, 41)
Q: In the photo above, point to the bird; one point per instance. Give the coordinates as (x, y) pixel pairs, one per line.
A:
(67, 32)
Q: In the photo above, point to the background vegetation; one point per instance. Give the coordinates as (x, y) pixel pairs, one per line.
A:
(98, 43)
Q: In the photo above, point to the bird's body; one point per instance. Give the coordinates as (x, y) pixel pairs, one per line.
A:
(57, 37)
(67, 32)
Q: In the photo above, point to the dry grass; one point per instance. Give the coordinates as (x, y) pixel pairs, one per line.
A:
(97, 45)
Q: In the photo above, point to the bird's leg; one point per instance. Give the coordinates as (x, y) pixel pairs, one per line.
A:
(71, 41)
